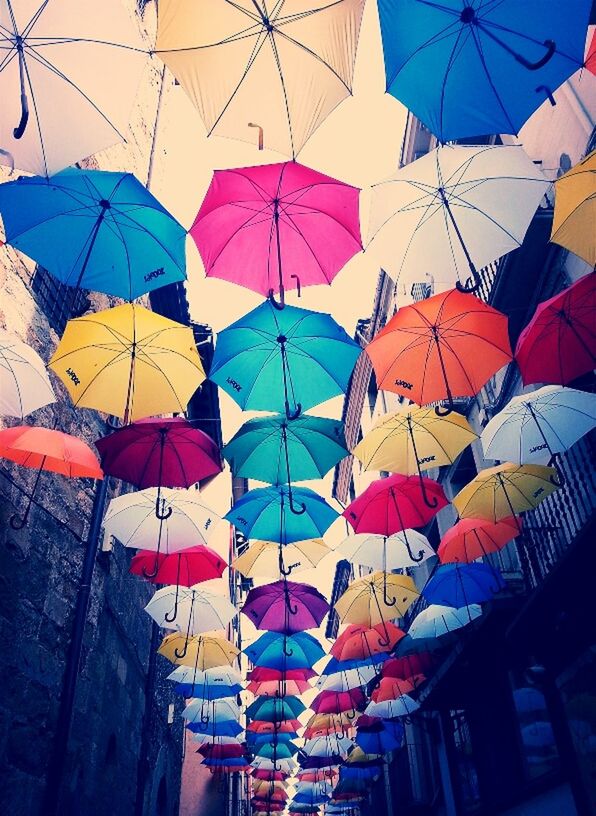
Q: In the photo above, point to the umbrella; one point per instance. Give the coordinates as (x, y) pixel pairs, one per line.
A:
(402, 706)
(380, 742)
(278, 360)
(575, 209)
(129, 362)
(262, 673)
(278, 688)
(285, 606)
(244, 66)
(275, 710)
(284, 652)
(215, 728)
(275, 227)
(408, 666)
(333, 666)
(67, 88)
(330, 744)
(460, 585)
(191, 682)
(217, 710)
(47, 449)
(261, 727)
(221, 751)
(281, 513)
(118, 239)
(202, 651)
(350, 678)
(443, 347)
(324, 724)
(473, 538)
(192, 610)
(437, 620)
(182, 568)
(357, 642)
(533, 427)
(471, 69)
(208, 691)
(453, 212)
(339, 702)
(367, 600)
(559, 343)
(275, 750)
(390, 688)
(388, 552)
(262, 557)
(24, 382)
(275, 450)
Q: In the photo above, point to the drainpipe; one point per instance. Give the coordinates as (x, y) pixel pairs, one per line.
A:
(57, 763)
(143, 764)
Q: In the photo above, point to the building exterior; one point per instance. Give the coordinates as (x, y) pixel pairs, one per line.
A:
(508, 718)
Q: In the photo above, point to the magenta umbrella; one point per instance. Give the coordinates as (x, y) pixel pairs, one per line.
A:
(277, 227)
(337, 702)
(285, 606)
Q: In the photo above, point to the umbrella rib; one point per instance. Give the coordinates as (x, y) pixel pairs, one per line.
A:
(480, 52)
(238, 230)
(314, 55)
(455, 53)
(273, 44)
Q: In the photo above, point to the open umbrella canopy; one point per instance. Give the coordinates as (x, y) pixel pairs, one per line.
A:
(380, 742)
(330, 744)
(67, 92)
(470, 69)
(337, 702)
(459, 585)
(386, 552)
(262, 557)
(275, 360)
(357, 642)
(408, 666)
(215, 728)
(389, 688)
(193, 682)
(277, 227)
(273, 750)
(473, 538)
(24, 381)
(275, 710)
(350, 678)
(278, 688)
(285, 606)
(284, 652)
(115, 237)
(376, 598)
(575, 209)
(401, 706)
(321, 725)
(183, 568)
(218, 710)
(261, 673)
(48, 449)
(333, 665)
(192, 610)
(437, 620)
(201, 652)
(129, 362)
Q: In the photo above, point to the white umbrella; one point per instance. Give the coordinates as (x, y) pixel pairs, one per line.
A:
(263, 763)
(69, 73)
(212, 711)
(223, 675)
(190, 609)
(386, 554)
(402, 706)
(329, 745)
(437, 620)
(212, 739)
(347, 679)
(454, 211)
(533, 427)
(131, 519)
(24, 381)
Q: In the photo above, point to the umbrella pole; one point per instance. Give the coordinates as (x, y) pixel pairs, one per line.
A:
(475, 277)
(155, 570)
(18, 522)
(428, 502)
(439, 410)
(169, 618)
(560, 479)
(420, 557)
(298, 510)
(20, 128)
(284, 368)
(550, 46)
(282, 295)
(160, 503)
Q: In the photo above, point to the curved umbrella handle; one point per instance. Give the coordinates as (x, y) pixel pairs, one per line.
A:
(386, 600)
(154, 571)
(472, 284)
(287, 652)
(184, 651)
(285, 571)
(550, 46)
(429, 502)
(18, 522)
(20, 128)
(352, 714)
(277, 304)
(411, 555)
(445, 410)
(297, 509)
(293, 610)
(160, 512)
(298, 285)
(169, 617)
(293, 414)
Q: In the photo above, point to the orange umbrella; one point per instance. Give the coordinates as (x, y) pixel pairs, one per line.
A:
(47, 449)
(320, 725)
(264, 727)
(357, 642)
(473, 538)
(390, 688)
(443, 347)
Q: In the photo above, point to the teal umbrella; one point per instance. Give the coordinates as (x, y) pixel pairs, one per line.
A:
(277, 450)
(275, 709)
(277, 750)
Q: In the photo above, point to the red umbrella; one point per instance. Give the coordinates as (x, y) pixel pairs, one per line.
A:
(262, 673)
(270, 776)
(407, 666)
(473, 538)
(265, 727)
(336, 702)
(559, 343)
(390, 688)
(183, 568)
(221, 751)
(357, 642)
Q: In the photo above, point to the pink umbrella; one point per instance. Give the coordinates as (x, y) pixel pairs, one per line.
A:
(277, 227)
(336, 702)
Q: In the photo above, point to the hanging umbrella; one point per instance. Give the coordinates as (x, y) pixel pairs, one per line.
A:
(202, 651)
(376, 598)
(222, 751)
(324, 724)
(24, 382)
(182, 568)
(381, 742)
(390, 688)
(275, 450)
(339, 702)
(278, 688)
(473, 538)
(218, 710)
(208, 690)
(357, 642)
(559, 343)
(333, 666)
(285, 606)
(129, 362)
(208, 739)
(262, 557)
(436, 620)
(285, 652)
(50, 450)
(453, 212)
(443, 347)
(278, 360)
(287, 708)
(350, 678)
(261, 673)
(408, 666)
(193, 610)
(460, 585)
(575, 209)
(389, 552)
(118, 239)
(245, 66)
(67, 88)
(215, 728)
(533, 427)
(472, 69)
(191, 682)
(277, 227)
(402, 706)
(275, 750)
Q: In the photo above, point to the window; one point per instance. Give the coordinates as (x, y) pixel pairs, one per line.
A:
(58, 301)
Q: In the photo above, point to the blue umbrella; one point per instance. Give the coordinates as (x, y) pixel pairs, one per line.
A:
(281, 513)
(285, 360)
(207, 691)
(377, 742)
(463, 584)
(335, 665)
(216, 728)
(470, 68)
(254, 739)
(284, 652)
(98, 230)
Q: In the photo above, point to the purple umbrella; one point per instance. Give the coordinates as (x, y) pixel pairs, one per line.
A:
(285, 606)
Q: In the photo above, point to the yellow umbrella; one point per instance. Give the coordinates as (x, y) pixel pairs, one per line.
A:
(376, 598)
(202, 652)
(129, 362)
(262, 557)
(505, 490)
(575, 210)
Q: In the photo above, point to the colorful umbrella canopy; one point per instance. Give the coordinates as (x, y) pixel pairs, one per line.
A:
(402, 706)
(390, 688)
(262, 673)
(281, 513)
(437, 620)
(182, 568)
(535, 426)
(262, 557)
(192, 682)
(68, 76)
(443, 347)
(276, 227)
(275, 450)
(129, 362)
(575, 209)
(201, 652)
(275, 710)
(330, 744)
(407, 666)
(285, 606)
(284, 652)
(218, 710)
(351, 678)
(376, 598)
(278, 360)
(465, 69)
(215, 728)
(333, 666)
(357, 642)
(559, 343)
(242, 63)
(460, 585)
(473, 538)
(323, 724)
(192, 610)
(278, 688)
(115, 237)
(380, 742)
(24, 382)
(338, 702)
(386, 552)
(454, 211)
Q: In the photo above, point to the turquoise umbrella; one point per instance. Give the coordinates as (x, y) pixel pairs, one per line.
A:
(283, 360)
(277, 750)
(277, 450)
(285, 652)
(273, 709)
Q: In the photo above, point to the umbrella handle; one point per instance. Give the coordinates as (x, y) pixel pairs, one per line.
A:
(160, 512)
(550, 46)
(297, 509)
(20, 128)
(445, 410)
(559, 479)
(293, 414)
(432, 504)
(287, 652)
(351, 715)
(298, 285)
(277, 304)
(169, 617)
(182, 654)
(471, 285)
(386, 600)
(154, 571)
